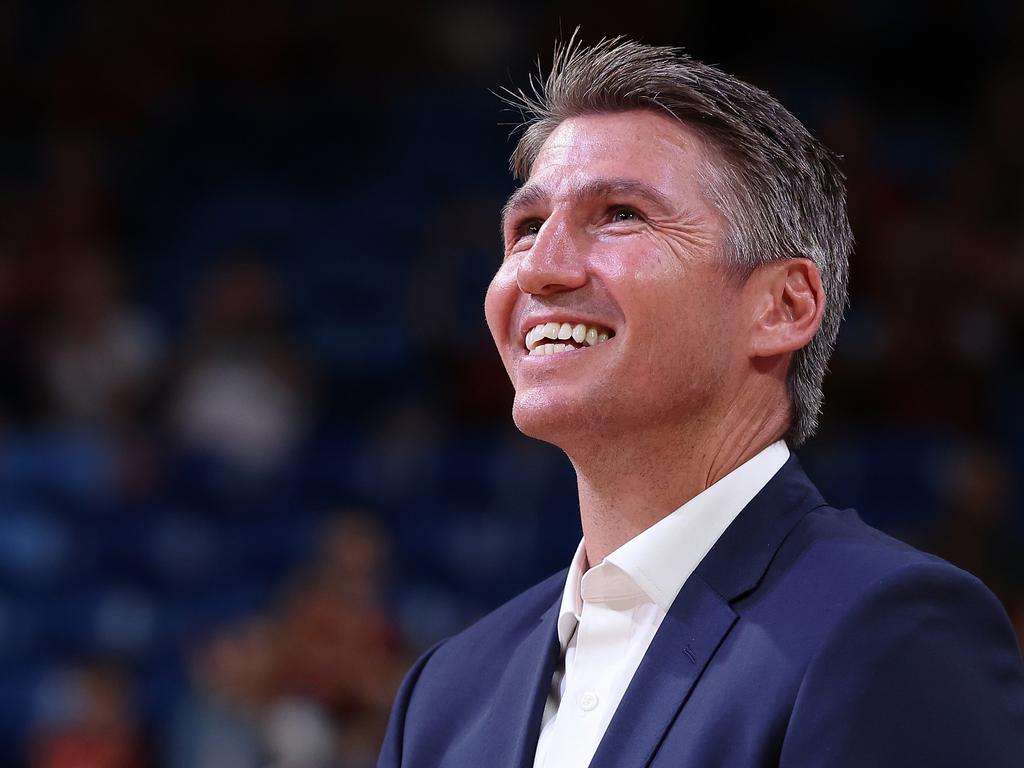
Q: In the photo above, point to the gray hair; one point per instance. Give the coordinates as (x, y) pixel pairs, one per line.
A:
(779, 189)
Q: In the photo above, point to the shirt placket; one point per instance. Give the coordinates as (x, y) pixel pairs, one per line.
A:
(602, 639)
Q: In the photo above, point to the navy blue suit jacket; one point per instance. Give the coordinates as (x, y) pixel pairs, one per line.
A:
(805, 638)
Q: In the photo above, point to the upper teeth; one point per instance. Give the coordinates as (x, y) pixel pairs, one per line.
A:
(578, 333)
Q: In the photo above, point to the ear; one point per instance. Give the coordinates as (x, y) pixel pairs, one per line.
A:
(787, 301)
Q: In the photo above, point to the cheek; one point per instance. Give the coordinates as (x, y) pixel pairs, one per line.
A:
(498, 303)
(686, 317)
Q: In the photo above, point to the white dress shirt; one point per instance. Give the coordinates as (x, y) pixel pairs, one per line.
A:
(611, 612)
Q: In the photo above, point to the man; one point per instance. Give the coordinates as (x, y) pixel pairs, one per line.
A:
(674, 277)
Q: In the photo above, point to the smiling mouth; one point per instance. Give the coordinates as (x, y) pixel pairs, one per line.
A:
(553, 338)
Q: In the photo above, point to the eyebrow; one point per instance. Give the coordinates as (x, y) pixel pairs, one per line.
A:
(533, 194)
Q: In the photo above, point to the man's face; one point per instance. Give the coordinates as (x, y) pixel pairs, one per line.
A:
(612, 232)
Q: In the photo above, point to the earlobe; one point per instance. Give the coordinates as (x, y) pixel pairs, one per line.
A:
(788, 305)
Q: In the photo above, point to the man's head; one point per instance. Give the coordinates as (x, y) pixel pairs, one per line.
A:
(653, 178)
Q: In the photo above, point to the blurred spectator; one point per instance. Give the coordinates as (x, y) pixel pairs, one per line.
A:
(340, 647)
(310, 686)
(219, 723)
(243, 393)
(83, 365)
(100, 356)
(89, 722)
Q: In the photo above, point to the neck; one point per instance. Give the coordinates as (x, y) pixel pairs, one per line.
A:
(627, 483)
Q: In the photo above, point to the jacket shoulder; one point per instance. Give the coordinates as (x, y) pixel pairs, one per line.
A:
(910, 660)
(504, 627)
(849, 556)
(832, 564)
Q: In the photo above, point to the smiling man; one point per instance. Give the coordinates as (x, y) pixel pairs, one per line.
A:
(673, 280)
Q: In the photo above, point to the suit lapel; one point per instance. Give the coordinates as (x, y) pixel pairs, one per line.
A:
(512, 726)
(739, 559)
(701, 617)
(687, 639)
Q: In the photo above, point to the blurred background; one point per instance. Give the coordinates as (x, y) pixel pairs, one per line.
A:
(255, 445)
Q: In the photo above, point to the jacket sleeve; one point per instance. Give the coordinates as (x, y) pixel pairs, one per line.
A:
(391, 751)
(923, 670)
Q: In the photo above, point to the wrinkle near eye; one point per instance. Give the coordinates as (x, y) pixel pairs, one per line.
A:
(693, 235)
(684, 242)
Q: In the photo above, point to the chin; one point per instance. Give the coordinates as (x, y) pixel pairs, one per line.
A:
(556, 420)
(539, 418)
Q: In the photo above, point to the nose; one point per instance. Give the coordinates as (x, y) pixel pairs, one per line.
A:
(555, 263)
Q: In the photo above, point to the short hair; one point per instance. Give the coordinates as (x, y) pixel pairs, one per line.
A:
(780, 190)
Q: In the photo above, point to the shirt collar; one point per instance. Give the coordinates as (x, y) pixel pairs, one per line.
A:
(660, 559)
(572, 602)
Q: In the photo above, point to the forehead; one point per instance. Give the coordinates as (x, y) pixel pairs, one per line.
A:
(642, 145)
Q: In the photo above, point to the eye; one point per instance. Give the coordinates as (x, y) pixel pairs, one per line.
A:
(622, 213)
(519, 234)
(528, 228)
